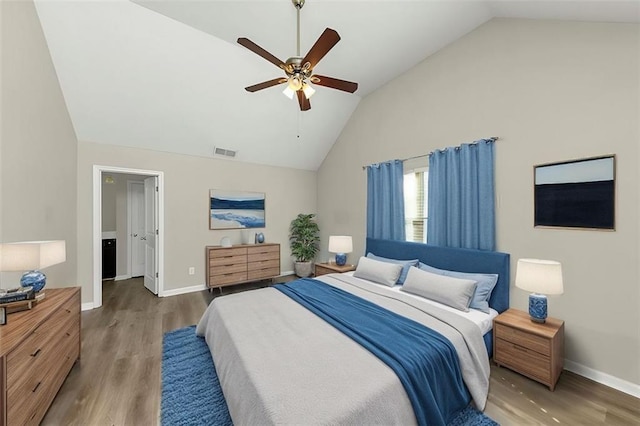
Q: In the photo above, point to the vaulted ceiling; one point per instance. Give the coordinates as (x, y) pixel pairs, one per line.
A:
(169, 75)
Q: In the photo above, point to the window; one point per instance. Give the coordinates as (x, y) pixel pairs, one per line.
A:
(415, 204)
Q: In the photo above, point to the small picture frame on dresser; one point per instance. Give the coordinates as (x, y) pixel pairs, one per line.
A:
(3, 315)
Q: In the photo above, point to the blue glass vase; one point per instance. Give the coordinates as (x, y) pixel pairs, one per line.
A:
(35, 279)
(259, 238)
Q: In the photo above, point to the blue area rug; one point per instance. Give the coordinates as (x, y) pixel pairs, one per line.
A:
(191, 393)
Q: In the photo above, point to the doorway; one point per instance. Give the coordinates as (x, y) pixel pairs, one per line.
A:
(145, 220)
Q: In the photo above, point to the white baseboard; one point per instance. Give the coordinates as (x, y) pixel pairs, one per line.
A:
(122, 277)
(86, 306)
(183, 290)
(603, 378)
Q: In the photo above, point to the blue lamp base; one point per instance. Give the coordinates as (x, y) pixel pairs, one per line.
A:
(538, 307)
(341, 259)
(35, 279)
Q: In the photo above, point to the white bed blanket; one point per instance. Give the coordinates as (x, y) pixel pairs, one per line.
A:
(278, 363)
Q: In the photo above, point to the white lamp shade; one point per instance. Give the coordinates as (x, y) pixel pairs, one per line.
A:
(539, 276)
(340, 244)
(31, 255)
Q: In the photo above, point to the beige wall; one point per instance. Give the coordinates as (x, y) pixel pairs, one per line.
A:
(551, 91)
(187, 183)
(38, 159)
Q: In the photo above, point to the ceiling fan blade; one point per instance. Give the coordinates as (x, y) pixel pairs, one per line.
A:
(305, 105)
(334, 83)
(260, 51)
(265, 84)
(324, 44)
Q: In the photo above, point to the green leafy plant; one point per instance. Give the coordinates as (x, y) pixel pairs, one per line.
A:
(304, 237)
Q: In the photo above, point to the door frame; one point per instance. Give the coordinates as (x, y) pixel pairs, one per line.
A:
(97, 226)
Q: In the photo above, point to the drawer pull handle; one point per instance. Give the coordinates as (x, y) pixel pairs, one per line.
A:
(519, 348)
(68, 334)
(37, 386)
(35, 354)
(68, 311)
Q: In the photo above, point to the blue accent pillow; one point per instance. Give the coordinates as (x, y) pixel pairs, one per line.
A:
(406, 264)
(486, 283)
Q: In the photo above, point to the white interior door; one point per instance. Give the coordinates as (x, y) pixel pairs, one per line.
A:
(150, 234)
(137, 229)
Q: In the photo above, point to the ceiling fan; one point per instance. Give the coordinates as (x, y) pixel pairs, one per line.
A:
(298, 69)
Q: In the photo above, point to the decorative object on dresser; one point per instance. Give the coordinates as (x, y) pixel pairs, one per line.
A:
(340, 245)
(236, 209)
(303, 239)
(332, 268)
(259, 238)
(531, 349)
(542, 277)
(242, 263)
(37, 350)
(31, 256)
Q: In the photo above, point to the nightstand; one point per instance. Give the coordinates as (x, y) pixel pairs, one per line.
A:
(531, 349)
(332, 268)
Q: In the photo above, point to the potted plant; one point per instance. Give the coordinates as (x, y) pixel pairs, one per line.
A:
(303, 239)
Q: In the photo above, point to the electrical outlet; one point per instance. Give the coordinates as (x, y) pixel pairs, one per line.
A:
(192, 270)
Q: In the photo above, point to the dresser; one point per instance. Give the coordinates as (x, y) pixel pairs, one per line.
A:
(532, 349)
(38, 347)
(243, 263)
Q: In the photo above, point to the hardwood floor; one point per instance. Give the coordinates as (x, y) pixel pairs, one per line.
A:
(117, 380)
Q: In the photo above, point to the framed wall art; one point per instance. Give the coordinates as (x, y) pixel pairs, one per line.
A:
(576, 194)
(236, 209)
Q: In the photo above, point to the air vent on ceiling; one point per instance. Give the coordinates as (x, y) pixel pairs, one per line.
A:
(225, 152)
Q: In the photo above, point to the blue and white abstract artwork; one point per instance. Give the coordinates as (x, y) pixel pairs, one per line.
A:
(236, 209)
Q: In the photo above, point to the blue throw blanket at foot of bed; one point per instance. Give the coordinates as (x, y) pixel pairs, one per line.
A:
(425, 361)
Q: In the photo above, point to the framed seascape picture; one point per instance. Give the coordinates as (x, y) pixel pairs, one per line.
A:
(236, 209)
(576, 194)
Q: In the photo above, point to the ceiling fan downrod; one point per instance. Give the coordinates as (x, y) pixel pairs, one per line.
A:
(298, 5)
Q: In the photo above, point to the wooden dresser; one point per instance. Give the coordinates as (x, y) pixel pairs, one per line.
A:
(532, 349)
(38, 347)
(243, 263)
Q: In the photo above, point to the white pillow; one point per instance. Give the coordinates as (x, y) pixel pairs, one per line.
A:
(454, 292)
(379, 272)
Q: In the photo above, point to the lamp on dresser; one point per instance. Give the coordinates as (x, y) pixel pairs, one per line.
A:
(541, 277)
(31, 256)
(340, 245)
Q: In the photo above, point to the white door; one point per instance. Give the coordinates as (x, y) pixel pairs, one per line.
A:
(150, 234)
(137, 218)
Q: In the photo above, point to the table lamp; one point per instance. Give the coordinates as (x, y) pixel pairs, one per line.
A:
(31, 256)
(541, 277)
(340, 245)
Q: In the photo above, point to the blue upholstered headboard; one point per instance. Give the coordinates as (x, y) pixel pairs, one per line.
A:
(454, 259)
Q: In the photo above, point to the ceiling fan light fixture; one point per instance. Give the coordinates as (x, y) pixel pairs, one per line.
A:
(288, 92)
(308, 90)
(295, 82)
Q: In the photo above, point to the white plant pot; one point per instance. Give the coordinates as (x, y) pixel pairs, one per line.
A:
(303, 269)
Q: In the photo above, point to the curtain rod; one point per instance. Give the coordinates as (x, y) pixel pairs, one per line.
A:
(494, 138)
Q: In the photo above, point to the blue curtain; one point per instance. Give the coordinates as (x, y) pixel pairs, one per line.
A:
(461, 197)
(385, 201)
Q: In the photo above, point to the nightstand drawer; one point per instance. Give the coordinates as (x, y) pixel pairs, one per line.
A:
(524, 360)
(522, 338)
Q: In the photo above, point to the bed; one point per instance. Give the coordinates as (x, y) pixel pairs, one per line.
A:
(279, 362)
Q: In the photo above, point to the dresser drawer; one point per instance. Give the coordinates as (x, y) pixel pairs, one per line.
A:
(263, 264)
(227, 252)
(522, 338)
(263, 273)
(236, 277)
(263, 249)
(228, 260)
(524, 360)
(227, 269)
